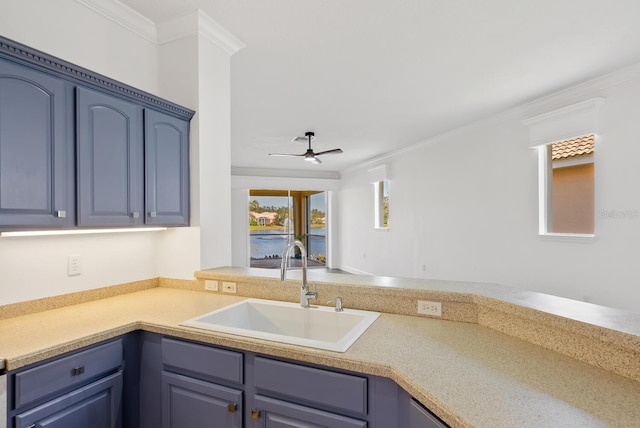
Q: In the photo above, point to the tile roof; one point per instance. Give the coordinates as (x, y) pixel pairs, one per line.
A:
(584, 145)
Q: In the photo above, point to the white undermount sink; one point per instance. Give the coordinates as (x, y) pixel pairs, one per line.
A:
(315, 327)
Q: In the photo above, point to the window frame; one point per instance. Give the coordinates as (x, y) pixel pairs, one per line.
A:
(582, 118)
(545, 183)
(379, 197)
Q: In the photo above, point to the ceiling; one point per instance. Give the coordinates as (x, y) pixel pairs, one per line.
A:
(375, 76)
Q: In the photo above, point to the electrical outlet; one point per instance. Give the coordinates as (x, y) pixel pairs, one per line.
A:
(210, 285)
(430, 308)
(229, 287)
(73, 265)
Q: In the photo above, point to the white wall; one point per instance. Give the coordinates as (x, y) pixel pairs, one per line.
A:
(181, 60)
(463, 206)
(36, 267)
(70, 31)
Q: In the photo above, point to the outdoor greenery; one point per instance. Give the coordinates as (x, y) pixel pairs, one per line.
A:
(282, 213)
(385, 213)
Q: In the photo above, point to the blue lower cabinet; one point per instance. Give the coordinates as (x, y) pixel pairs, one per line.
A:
(205, 385)
(420, 417)
(189, 402)
(97, 405)
(83, 388)
(275, 413)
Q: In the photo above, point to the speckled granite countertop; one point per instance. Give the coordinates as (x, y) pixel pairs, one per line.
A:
(467, 373)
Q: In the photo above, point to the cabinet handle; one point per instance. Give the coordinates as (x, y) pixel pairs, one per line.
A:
(153, 214)
(232, 407)
(61, 214)
(77, 371)
(135, 214)
(255, 414)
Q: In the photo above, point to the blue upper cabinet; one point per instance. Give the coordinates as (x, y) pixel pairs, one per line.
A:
(126, 163)
(166, 144)
(110, 160)
(36, 149)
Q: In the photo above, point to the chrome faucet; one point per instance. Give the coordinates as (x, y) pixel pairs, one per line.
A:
(305, 294)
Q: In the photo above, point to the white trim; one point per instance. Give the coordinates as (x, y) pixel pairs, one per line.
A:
(178, 28)
(217, 34)
(200, 23)
(190, 24)
(543, 186)
(568, 237)
(354, 271)
(288, 183)
(379, 173)
(540, 104)
(289, 173)
(124, 16)
(378, 205)
(565, 123)
(573, 161)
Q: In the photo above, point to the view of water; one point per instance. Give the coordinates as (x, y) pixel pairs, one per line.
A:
(273, 242)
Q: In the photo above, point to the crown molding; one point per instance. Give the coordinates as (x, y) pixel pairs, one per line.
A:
(196, 22)
(200, 23)
(555, 100)
(124, 16)
(219, 35)
(567, 122)
(23, 54)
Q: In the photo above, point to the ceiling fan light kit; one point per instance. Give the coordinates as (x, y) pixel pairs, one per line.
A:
(309, 155)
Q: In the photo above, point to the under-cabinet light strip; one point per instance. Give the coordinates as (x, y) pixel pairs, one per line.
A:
(78, 232)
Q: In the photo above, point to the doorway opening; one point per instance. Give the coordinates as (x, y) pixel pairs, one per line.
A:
(278, 216)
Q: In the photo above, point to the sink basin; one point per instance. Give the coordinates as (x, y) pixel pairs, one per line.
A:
(315, 327)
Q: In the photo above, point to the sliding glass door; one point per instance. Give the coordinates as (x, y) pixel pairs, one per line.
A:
(277, 216)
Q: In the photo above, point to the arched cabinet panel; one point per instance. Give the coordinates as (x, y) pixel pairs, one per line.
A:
(36, 149)
(166, 169)
(110, 160)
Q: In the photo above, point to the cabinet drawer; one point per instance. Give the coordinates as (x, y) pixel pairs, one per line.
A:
(204, 360)
(48, 378)
(310, 385)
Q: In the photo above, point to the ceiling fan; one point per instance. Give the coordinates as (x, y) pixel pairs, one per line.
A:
(309, 155)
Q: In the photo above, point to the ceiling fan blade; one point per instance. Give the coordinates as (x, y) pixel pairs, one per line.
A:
(287, 154)
(329, 152)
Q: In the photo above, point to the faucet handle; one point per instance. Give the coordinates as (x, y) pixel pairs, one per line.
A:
(338, 301)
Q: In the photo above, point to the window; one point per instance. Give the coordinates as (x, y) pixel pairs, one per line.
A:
(381, 200)
(567, 186)
(278, 216)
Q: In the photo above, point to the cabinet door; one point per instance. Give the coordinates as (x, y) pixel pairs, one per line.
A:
(419, 417)
(36, 149)
(96, 405)
(281, 414)
(110, 160)
(166, 169)
(189, 402)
